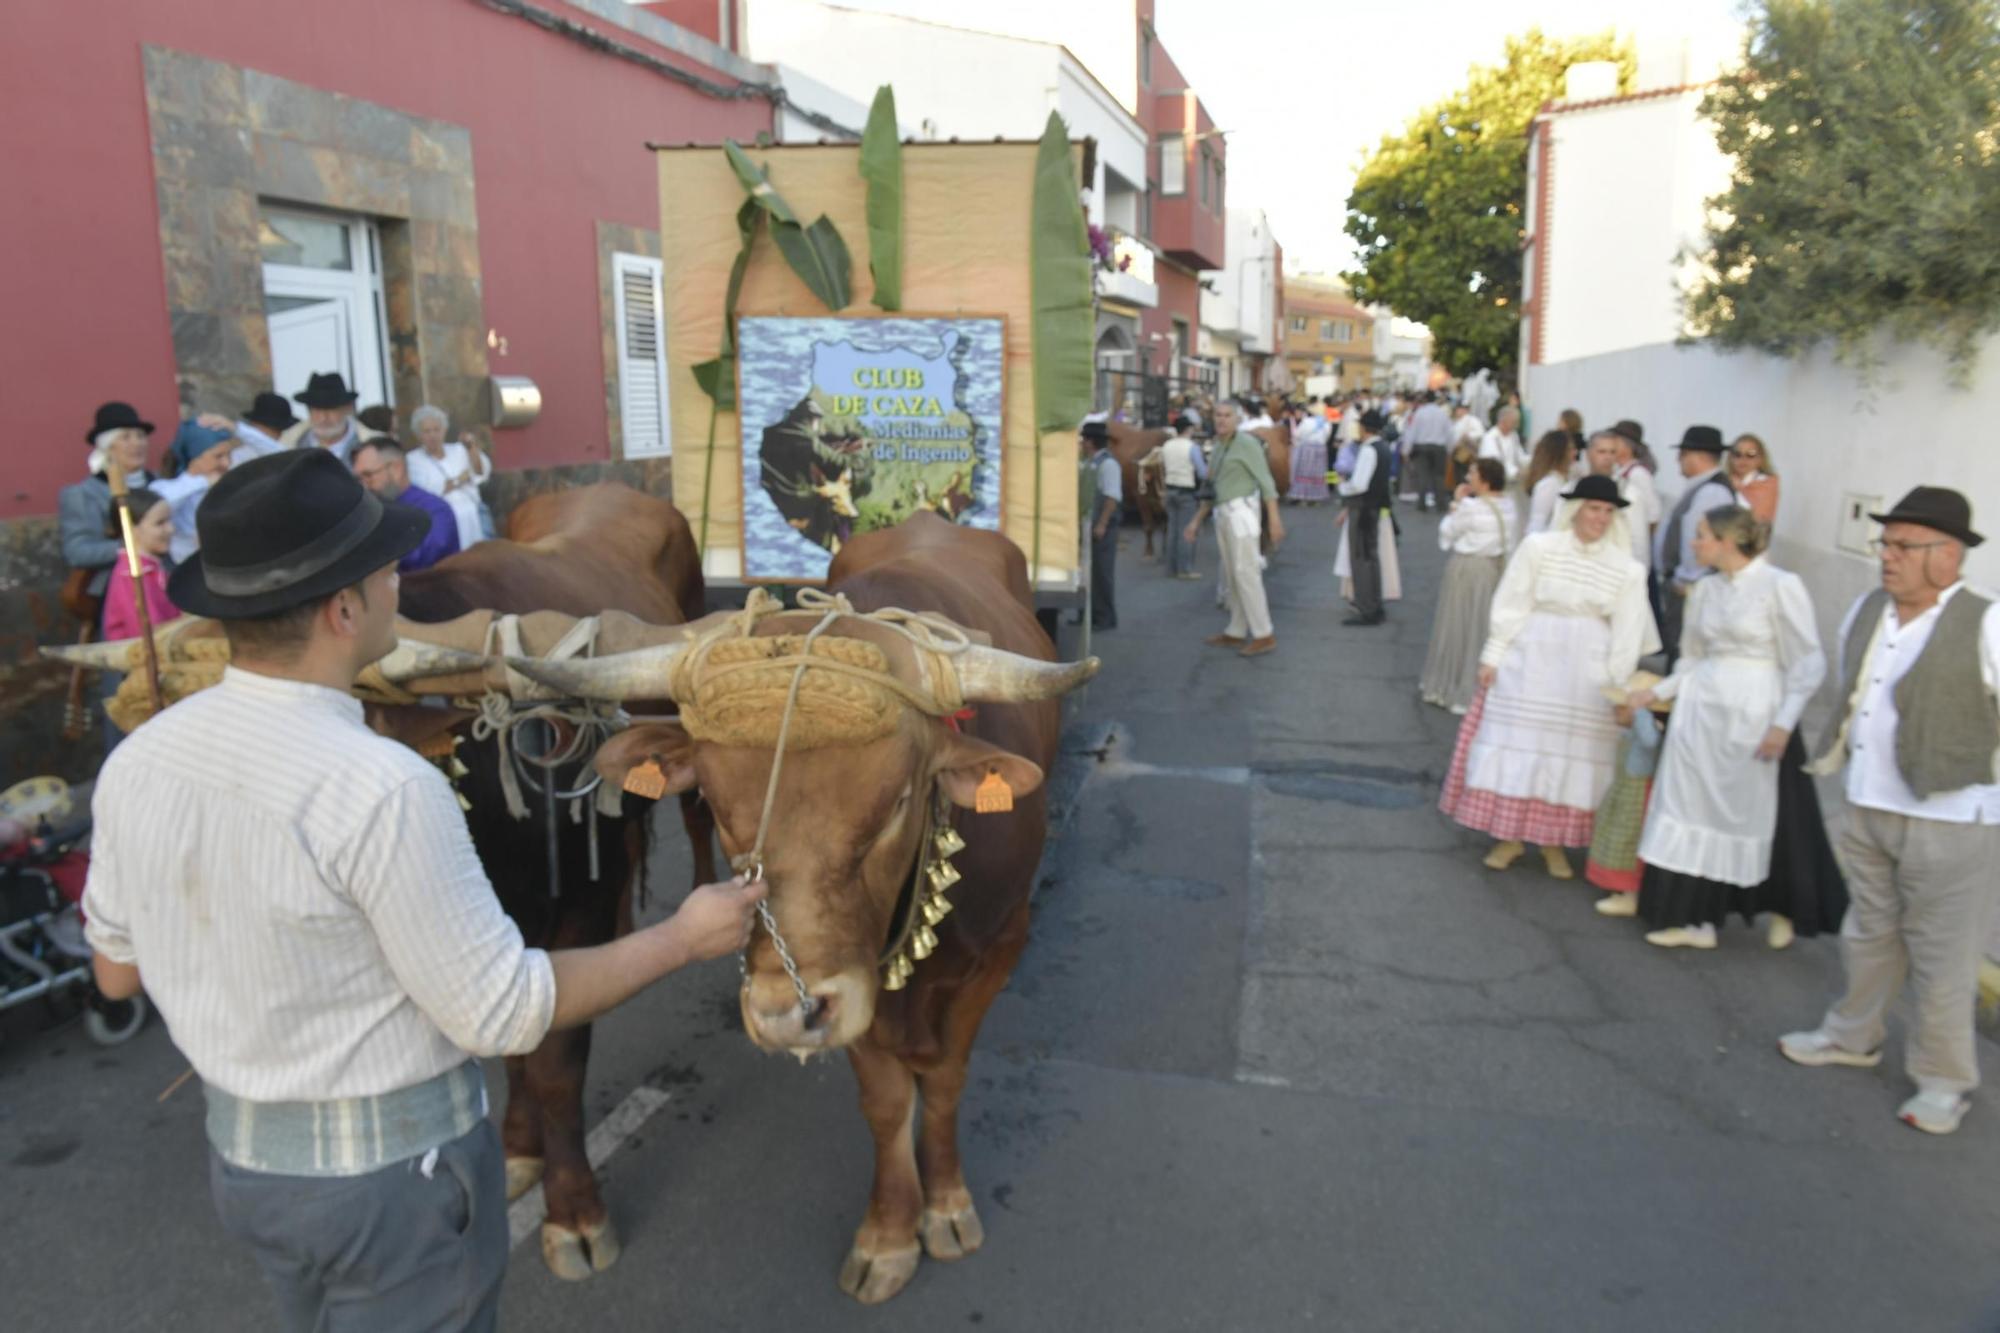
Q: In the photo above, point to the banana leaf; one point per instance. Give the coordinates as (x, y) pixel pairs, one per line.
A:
(816, 253)
(882, 169)
(717, 377)
(1059, 257)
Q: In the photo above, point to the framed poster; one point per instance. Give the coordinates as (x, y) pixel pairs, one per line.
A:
(853, 423)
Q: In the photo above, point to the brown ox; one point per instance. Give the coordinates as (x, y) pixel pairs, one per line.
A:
(1145, 488)
(580, 552)
(847, 836)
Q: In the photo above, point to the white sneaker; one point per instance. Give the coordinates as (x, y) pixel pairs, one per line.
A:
(1619, 904)
(1684, 937)
(1935, 1112)
(1816, 1048)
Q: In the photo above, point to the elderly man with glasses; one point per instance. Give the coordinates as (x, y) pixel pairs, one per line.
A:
(1918, 733)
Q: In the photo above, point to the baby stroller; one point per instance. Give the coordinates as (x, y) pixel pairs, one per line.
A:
(43, 955)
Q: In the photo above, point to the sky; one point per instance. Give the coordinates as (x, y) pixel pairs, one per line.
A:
(1307, 87)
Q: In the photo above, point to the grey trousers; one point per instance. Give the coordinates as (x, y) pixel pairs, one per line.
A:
(393, 1251)
(1921, 894)
(1180, 551)
(1427, 474)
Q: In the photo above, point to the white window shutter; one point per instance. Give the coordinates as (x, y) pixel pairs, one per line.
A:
(642, 356)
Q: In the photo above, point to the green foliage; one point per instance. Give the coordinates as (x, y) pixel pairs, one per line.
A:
(815, 252)
(1059, 271)
(1437, 211)
(882, 169)
(1865, 193)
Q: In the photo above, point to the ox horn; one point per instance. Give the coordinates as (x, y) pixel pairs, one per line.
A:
(639, 674)
(993, 675)
(413, 659)
(114, 656)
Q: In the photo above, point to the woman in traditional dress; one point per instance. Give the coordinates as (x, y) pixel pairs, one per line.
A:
(1475, 531)
(1734, 822)
(453, 472)
(1309, 466)
(1535, 754)
(1547, 475)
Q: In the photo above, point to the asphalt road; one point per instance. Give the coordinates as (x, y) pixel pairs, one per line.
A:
(1282, 1055)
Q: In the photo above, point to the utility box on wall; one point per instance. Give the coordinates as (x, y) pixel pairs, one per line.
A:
(512, 401)
(1856, 529)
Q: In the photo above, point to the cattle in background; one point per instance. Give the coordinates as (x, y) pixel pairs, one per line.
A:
(1131, 446)
(850, 834)
(579, 552)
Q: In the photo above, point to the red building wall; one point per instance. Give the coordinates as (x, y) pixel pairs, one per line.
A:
(1180, 297)
(558, 141)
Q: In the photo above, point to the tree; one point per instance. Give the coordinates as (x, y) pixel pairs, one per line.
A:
(1437, 210)
(1865, 190)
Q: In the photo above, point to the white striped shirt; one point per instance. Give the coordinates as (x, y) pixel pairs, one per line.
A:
(302, 899)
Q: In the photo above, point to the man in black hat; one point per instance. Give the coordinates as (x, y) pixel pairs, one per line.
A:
(261, 430)
(1917, 733)
(303, 902)
(1365, 494)
(1707, 487)
(330, 421)
(1094, 437)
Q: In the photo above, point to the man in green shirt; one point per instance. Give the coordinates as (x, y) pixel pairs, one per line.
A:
(1241, 475)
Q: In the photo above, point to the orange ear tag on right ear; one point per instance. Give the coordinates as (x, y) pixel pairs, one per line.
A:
(993, 796)
(646, 780)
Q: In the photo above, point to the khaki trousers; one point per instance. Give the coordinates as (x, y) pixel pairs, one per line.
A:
(1243, 585)
(1922, 891)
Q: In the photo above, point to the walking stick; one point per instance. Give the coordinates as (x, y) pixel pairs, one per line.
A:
(122, 497)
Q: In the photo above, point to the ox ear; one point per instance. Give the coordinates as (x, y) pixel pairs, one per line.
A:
(966, 761)
(661, 743)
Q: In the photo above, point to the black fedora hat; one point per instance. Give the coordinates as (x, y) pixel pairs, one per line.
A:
(1630, 430)
(272, 411)
(1937, 507)
(116, 416)
(326, 390)
(1706, 439)
(287, 528)
(1594, 487)
(1373, 420)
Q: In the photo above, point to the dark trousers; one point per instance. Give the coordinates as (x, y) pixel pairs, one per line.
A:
(1104, 577)
(1673, 606)
(1364, 555)
(393, 1251)
(1427, 473)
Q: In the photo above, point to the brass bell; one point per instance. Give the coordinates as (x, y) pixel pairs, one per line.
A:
(949, 843)
(923, 943)
(896, 973)
(936, 909)
(943, 874)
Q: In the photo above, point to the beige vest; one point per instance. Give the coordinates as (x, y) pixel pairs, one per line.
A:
(1178, 455)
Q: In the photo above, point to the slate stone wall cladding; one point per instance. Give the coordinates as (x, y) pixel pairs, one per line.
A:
(613, 237)
(226, 138)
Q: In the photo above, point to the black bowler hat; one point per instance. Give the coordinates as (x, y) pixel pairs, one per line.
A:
(284, 529)
(1373, 420)
(1936, 507)
(116, 416)
(1704, 439)
(1630, 430)
(271, 411)
(327, 390)
(1594, 487)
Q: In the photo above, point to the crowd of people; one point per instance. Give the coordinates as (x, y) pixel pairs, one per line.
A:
(1686, 787)
(438, 476)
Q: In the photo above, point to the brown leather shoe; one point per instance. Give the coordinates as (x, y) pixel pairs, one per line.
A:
(1224, 641)
(1258, 647)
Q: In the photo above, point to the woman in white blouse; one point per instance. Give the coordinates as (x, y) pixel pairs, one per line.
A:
(453, 472)
(1476, 531)
(1536, 752)
(1547, 475)
(1730, 785)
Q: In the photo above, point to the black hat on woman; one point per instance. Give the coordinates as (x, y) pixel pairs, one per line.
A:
(1594, 487)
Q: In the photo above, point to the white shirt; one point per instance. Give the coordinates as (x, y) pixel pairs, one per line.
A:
(302, 899)
(1476, 525)
(1507, 449)
(436, 475)
(1555, 573)
(1760, 613)
(1542, 502)
(1364, 468)
(1468, 429)
(1873, 780)
(1635, 484)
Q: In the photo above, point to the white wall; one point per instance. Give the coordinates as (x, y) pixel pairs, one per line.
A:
(1627, 193)
(1245, 292)
(810, 93)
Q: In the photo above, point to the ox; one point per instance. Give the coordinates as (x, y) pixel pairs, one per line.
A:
(1145, 487)
(850, 832)
(580, 552)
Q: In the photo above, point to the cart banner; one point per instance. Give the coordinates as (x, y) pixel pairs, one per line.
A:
(855, 423)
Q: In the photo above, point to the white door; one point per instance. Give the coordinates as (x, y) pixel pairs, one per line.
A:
(323, 302)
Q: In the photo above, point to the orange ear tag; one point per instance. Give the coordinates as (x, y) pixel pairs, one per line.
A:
(993, 796)
(646, 780)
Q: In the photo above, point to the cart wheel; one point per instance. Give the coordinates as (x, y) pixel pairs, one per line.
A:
(113, 1022)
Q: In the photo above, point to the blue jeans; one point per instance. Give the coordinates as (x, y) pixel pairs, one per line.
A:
(1181, 505)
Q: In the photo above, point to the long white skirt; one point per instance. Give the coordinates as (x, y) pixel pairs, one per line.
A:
(1385, 551)
(1548, 734)
(1715, 804)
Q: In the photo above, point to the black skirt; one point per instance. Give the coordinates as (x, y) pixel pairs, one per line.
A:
(1805, 883)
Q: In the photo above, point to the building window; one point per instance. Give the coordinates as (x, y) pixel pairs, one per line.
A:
(1218, 191)
(1207, 165)
(1146, 213)
(1336, 331)
(1181, 336)
(1298, 323)
(1173, 165)
(642, 355)
(323, 306)
(1145, 57)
